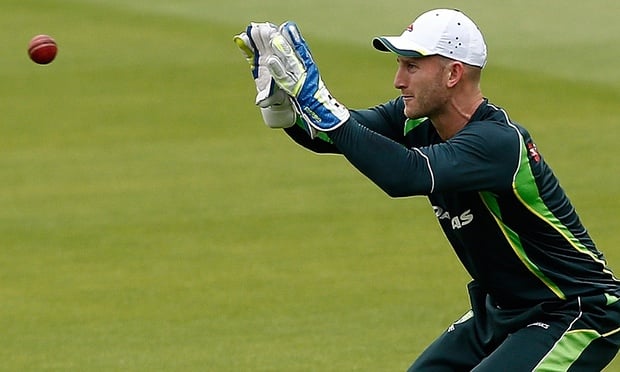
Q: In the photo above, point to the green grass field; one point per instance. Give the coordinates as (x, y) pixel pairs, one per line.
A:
(149, 221)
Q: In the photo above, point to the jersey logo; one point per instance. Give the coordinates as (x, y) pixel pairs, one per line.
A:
(468, 315)
(539, 324)
(532, 150)
(456, 222)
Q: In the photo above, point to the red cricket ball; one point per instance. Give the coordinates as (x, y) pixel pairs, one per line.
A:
(42, 49)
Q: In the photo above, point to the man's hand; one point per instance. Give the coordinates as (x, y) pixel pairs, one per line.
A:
(293, 69)
(275, 105)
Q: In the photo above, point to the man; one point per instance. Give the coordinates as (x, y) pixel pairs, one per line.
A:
(542, 296)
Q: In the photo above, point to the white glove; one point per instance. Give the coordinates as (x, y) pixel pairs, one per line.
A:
(293, 69)
(275, 105)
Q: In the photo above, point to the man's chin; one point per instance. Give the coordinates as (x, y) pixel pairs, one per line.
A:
(412, 114)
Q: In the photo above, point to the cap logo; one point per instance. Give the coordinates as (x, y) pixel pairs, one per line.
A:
(410, 27)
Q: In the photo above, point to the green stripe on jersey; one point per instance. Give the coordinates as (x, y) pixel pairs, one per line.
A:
(515, 242)
(567, 350)
(526, 190)
(611, 299)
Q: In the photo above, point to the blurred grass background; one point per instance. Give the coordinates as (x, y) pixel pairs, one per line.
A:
(150, 221)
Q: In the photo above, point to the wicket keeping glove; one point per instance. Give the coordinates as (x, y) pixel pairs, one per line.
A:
(293, 69)
(275, 105)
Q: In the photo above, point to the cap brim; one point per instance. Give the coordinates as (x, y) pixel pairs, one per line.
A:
(399, 45)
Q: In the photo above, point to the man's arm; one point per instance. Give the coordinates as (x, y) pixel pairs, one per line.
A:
(483, 156)
(386, 119)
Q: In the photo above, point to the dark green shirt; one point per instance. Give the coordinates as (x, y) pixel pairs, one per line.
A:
(496, 199)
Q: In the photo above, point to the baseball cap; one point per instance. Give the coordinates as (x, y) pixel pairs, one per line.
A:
(446, 32)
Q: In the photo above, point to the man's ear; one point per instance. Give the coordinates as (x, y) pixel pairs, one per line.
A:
(455, 73)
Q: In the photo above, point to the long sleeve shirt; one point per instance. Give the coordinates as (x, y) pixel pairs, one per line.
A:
(496, 199)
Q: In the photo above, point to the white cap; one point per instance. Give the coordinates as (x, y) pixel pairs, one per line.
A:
(446, 32)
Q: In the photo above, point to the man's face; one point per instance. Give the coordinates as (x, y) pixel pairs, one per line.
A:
(422, 82)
